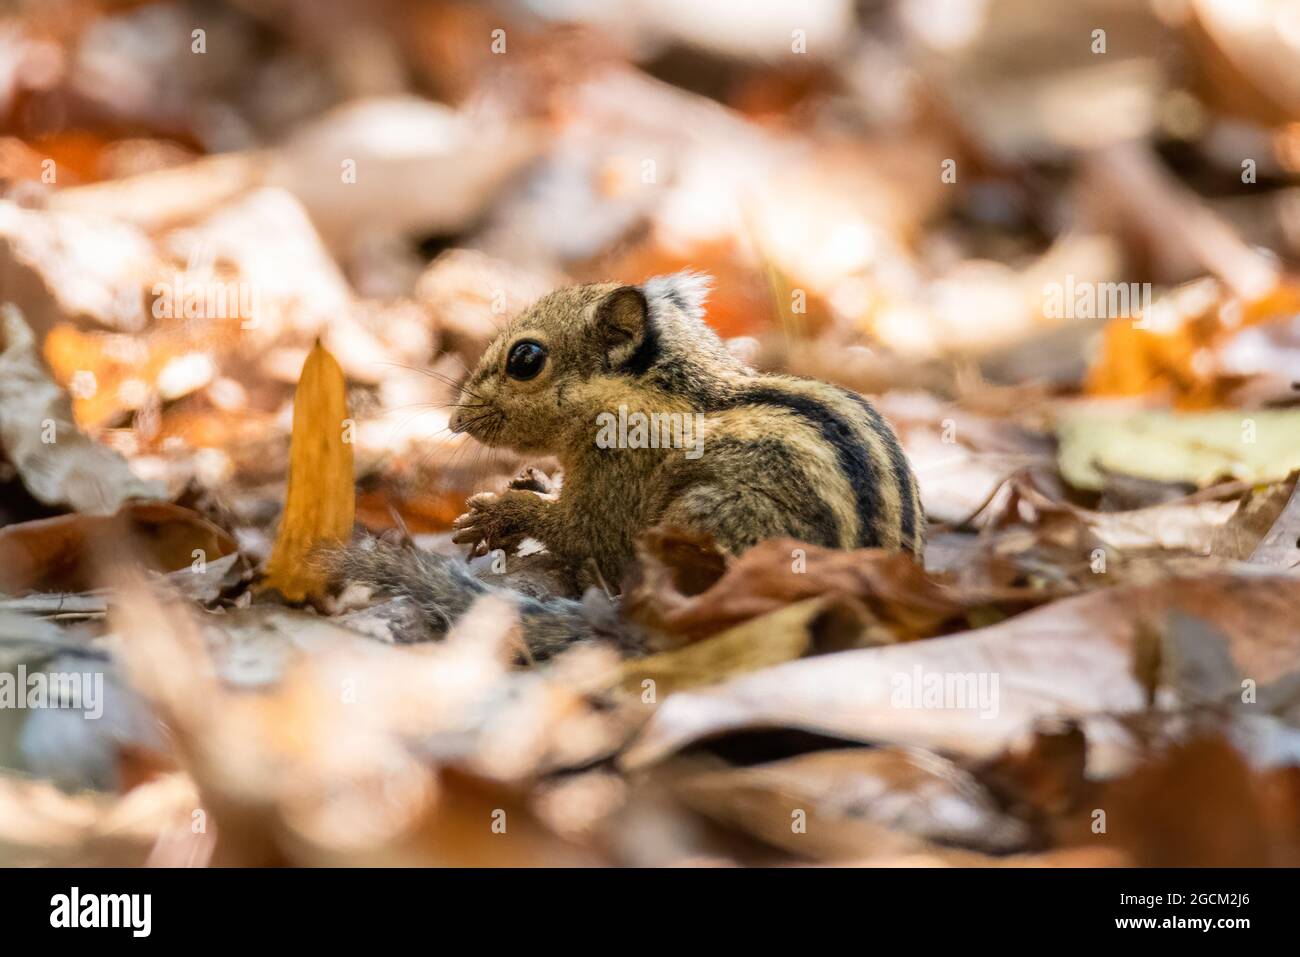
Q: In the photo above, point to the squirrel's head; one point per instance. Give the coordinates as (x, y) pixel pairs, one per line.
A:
(582, 350)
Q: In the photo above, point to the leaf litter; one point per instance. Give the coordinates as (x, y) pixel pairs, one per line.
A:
(1106, 614)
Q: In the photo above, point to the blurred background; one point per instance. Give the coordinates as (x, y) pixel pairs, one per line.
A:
(899, 196)
(1055, 240)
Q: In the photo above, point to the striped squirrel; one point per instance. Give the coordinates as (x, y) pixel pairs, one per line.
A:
(653, 421)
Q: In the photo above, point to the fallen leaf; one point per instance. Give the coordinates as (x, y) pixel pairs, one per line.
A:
(1181, 345)
(1181, 526)
(396, 146)
(42, 826)
(1074, 657)
(1254, 445)
(961, 457)
(321, 497)
(66, 553)
(160, 198)
(899, 597)
(1198, 803)
(855, 803)
(423, 740)
(68, 267)
(57, 462)
(1018, 86)
(1275, 515)
(290, 281)
(770, 639)
(1250, 54)
(163, 364)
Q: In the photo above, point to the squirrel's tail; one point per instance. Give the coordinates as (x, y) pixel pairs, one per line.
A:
(443, 589)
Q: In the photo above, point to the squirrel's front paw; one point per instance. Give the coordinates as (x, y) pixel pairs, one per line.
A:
(497, 521)
(535, 480)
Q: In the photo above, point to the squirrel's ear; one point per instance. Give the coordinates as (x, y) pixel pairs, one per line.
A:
(620, 323)
(686, 290)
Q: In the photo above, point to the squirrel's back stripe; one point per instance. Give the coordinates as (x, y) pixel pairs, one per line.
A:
(902, 472)
(867, 452)
(854, 458)
(786, 483)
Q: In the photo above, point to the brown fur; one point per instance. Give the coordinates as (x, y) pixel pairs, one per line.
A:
(596, 337)
(780, 456)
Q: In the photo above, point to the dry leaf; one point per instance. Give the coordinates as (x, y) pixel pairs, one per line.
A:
(422, 741)
(321, 498)
(1201, 448)
(1196, 804)
(1075, 657)
(855, 803)
(899, 596)
(1177, 348)
(770, 639)
(159, 198)
(67, 553)
(57, 462)
(291, 280)
(1265, 528)
(958, 477)
(397, 146)
(164, 364)
(66, 267)
(45, 827)
(1182, 526)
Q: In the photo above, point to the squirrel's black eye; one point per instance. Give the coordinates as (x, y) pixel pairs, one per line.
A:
(525, 360)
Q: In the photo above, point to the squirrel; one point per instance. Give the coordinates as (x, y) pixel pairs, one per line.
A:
(653, 421)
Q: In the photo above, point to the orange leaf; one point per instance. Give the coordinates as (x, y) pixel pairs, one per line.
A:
(321, 500)
(1139, 361)
(59, 553)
